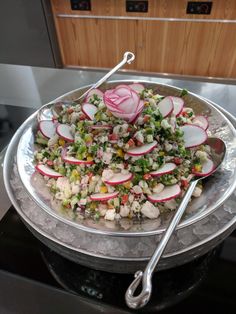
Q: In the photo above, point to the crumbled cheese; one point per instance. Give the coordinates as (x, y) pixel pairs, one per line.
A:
(135, 207)
(158, 188)
(107, 156)
(102, 209)
(53, 140)
(137, 189)
(75, 116)
(110, 214)
(168, 146)
(201, 155)
(107, 174)
(149, 210)
(165, 125)
(139, 136)
(75, 188)
(63, 184)
(120, 129)
(131, 198)
(149, 138)
(124, 211)
(197, 191)
(171, 204)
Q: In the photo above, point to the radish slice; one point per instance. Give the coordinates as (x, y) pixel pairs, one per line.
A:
(96, 92)
(130, 117)
(46, 171)
(119, 178)
(166, 168)
(207, 168)
(47, 128)
(101, 127)
(201, 121)
(166, 194)
(122, 90)
(64, 131)
(142, 150)
(110, 106)
(89, 110)
(178, 105)
(194, 135)
(137, 87)
(166, 106)
(103, 196)
(74, 161)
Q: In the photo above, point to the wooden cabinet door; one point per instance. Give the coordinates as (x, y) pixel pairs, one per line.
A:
(164, 40)
(188, 48)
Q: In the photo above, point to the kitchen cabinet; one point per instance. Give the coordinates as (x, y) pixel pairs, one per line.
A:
(164, 40)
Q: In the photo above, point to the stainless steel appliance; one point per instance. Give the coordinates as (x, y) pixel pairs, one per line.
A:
(27, 33)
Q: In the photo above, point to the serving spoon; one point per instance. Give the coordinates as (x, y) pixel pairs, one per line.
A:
(46, 111)
(218, 150)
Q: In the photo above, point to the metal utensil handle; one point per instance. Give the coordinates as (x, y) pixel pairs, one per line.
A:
(139, 301)
(128, 58)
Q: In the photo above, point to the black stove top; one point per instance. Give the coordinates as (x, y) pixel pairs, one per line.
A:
(206, 284)
(34, 279)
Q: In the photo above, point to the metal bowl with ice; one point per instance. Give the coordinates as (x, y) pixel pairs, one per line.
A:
(216, 190)
(117, 253)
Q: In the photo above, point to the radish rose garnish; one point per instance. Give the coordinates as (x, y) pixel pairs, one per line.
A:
(123, 102)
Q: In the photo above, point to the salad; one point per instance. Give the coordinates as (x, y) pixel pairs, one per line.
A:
(126, 152)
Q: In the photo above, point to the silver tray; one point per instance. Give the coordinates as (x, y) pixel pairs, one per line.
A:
(216, 189)
(103, 252)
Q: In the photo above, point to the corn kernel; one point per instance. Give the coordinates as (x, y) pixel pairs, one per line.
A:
(146, 103)
(162, 153)
(89, 158)
(61, 142)
(75, 172)
(198, 168)
(93, 205)
(127, 184)
(103, 189)
(120, 153)
(88, 138)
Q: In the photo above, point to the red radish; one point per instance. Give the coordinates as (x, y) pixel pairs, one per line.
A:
(47, 128)
(166, 168)
(54, 119)
(137, 87)
(166, 194)
(64, 131)
(166, 106)
(194, 135)
(135, 118)
(101, 127)
(103, 196)
(142, 150)
(89, 110)
(46, 171)
(127, 104)
(122, 90)
(96, 92)
(207, 168)
(111, 107)
(74, 161)
(119, 178)
(201, 121)
(178, 105)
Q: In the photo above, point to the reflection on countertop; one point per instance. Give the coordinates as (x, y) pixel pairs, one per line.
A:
(34, 86)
